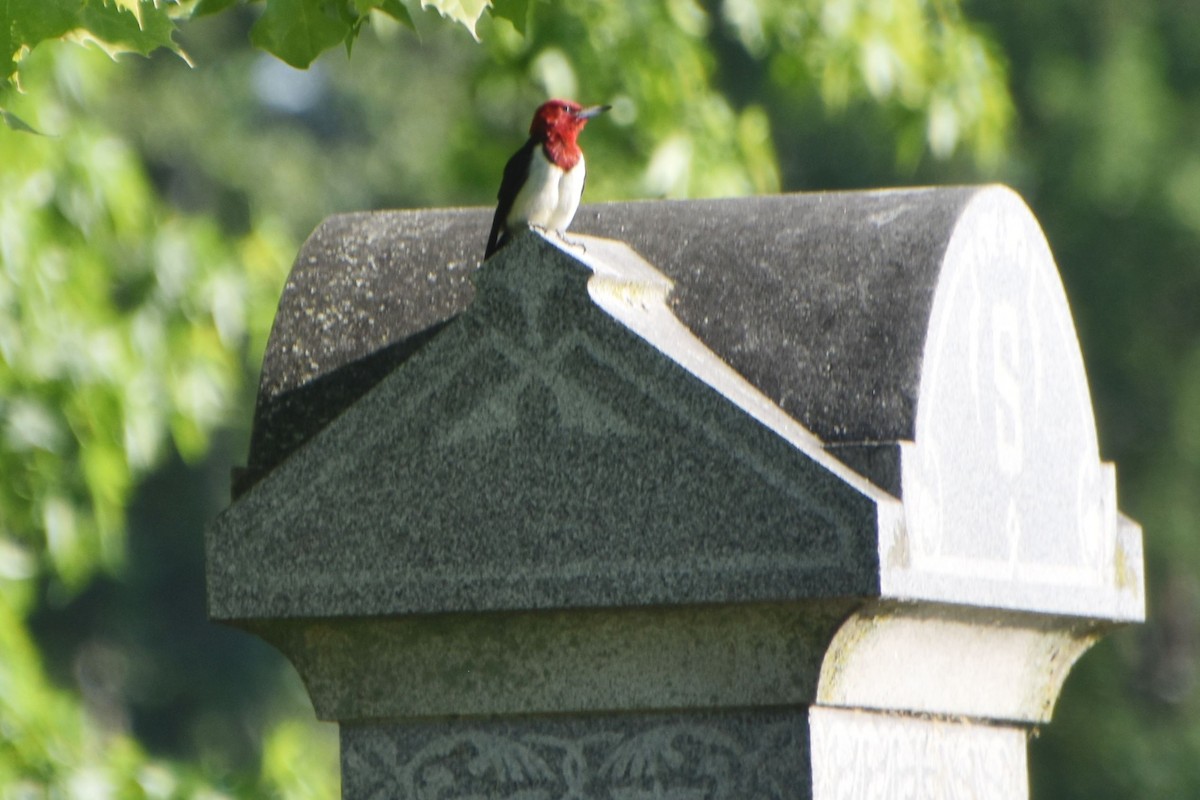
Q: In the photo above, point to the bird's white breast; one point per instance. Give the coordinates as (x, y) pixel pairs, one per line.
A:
(550, 196)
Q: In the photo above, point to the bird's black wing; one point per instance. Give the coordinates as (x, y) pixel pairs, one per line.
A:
(516, 172)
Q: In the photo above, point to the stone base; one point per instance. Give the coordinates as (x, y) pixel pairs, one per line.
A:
(721, 755)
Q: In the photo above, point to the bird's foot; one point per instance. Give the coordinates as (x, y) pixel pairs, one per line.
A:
(574, 244)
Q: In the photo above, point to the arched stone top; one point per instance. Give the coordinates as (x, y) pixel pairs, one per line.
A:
(1002, 484)
(920, 336)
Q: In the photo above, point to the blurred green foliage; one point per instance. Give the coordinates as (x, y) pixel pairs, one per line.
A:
(121, 322)
(125, 331)
(144, 239)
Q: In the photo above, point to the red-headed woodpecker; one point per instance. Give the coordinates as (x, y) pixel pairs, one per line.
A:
(543, 181)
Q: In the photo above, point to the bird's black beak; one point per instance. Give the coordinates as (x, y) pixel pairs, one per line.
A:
(592, 111)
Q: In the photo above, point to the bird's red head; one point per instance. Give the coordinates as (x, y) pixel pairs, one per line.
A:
(561, 119)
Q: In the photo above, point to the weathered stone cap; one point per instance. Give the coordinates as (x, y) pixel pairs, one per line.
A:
(820, 300)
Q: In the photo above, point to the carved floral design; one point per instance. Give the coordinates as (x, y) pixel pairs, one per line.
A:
(665, 762)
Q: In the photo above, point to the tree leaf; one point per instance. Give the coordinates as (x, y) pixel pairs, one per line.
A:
(205, 7)
(464, 12)
(15, 123)
(399, 12)
(31, 21)
(116, 30)
(132, 6)
(515, 11)
(297, 31)
(355, 22)
(25, 23)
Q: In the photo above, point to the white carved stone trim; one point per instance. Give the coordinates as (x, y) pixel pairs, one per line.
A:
(956, 661)
(860, 755)
(1007, 503)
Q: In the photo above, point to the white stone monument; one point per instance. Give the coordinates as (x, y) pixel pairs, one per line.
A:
(785, 497)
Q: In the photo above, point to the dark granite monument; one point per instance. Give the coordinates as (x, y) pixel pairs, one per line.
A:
(782, 497)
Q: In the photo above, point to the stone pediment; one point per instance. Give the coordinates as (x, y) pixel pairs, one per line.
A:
(536, 453)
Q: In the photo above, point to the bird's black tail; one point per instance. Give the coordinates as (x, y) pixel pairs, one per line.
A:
(497, 238)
